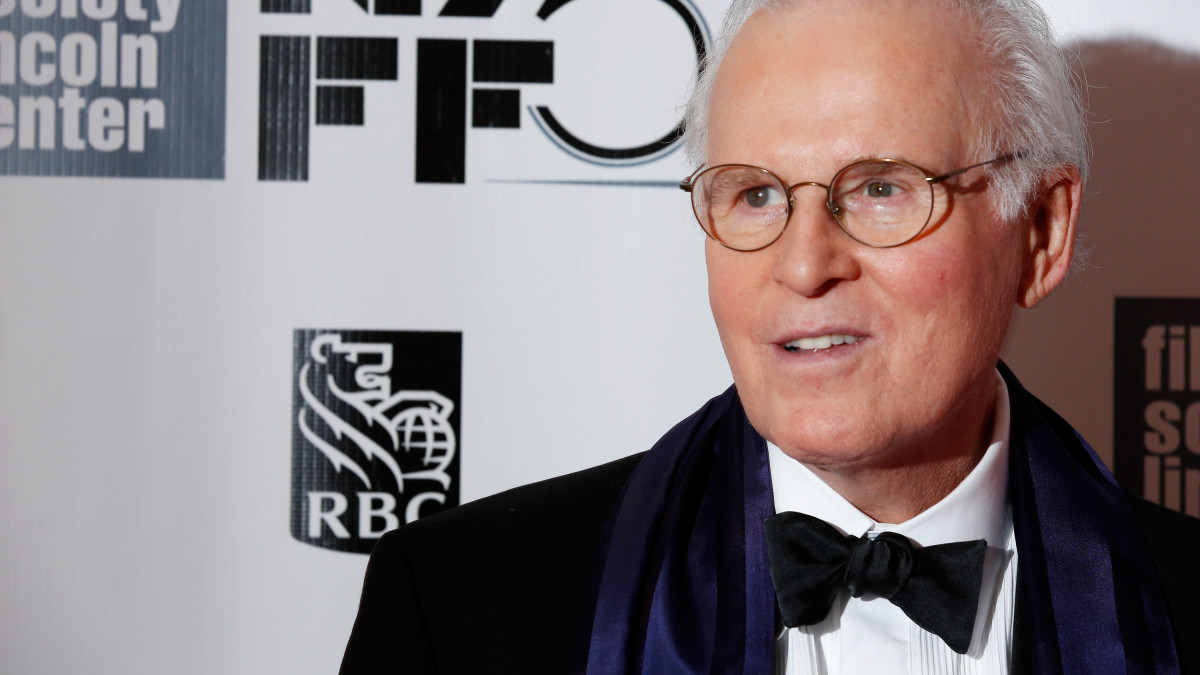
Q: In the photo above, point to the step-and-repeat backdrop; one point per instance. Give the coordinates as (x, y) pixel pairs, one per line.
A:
(277, 276)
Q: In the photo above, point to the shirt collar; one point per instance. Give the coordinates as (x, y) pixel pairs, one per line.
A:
(976, 509)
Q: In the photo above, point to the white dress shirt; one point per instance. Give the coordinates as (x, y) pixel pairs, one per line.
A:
(863, 635)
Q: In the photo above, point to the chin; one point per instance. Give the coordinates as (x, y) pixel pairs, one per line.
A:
(828, 453)
(812, 435)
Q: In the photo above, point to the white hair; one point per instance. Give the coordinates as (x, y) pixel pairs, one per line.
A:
(1039, 110)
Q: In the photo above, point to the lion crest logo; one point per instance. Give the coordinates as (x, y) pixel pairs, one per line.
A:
(363, 440)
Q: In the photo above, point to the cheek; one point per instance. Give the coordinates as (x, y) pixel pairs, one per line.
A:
(724, 284)
(917, 280)
(733, 280)
(960, 298)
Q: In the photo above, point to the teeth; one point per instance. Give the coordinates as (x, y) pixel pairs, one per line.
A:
(820, 342)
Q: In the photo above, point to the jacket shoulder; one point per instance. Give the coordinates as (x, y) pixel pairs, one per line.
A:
(494, 585)
(587, 494)
(1173, 540)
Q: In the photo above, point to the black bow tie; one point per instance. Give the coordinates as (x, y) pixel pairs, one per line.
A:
(937, 586)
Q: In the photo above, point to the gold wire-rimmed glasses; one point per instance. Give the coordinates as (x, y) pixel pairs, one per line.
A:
(878, 202)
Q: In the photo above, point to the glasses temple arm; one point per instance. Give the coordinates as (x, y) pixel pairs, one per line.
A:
(1002, 158)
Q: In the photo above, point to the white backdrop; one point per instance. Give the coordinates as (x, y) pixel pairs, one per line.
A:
(146, 329)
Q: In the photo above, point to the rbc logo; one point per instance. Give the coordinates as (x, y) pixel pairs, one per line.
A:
(374, 434)
(446, 96)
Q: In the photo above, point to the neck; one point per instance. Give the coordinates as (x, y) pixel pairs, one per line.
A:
(899, 491)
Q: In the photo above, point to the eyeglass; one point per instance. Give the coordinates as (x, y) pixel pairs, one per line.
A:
(878, 202)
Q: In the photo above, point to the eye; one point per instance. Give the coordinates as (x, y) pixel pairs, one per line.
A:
(762, 197)
(876, 184)
(880, 189)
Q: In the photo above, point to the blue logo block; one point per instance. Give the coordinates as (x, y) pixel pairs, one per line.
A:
(113, 89)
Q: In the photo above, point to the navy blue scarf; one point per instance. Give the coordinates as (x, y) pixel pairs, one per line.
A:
(681, 582)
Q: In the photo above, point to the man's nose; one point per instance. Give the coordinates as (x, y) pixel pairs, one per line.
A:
(814, 254)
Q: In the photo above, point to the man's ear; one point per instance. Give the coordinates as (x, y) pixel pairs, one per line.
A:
(1050, 234)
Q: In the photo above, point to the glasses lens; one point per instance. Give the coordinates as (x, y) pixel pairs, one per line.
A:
(743, 207)
(882, 203)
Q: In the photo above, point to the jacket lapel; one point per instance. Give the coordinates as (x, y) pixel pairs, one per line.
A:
(1088, 595)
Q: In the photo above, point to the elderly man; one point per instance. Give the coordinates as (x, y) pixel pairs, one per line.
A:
(882, 183)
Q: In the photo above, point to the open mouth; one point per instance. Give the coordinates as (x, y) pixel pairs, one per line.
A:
(820, 342)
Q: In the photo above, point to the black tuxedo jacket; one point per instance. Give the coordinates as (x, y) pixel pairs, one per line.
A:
(498, 585)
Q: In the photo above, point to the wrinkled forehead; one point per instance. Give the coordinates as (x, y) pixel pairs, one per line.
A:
(884, 68)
